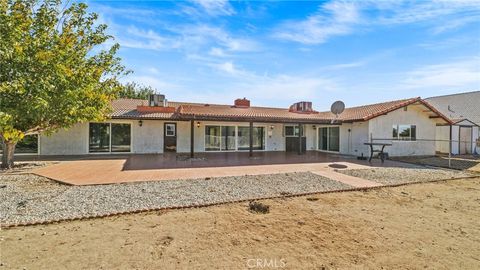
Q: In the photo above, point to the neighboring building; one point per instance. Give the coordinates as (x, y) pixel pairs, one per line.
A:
(158, 126)
(464, 111)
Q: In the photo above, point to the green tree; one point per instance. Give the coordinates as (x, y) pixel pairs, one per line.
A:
(55, 69)
(134, 90)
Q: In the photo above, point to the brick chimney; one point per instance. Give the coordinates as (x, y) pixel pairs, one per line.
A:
(242, 103)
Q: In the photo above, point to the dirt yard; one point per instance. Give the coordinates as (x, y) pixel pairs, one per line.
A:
(423, 226)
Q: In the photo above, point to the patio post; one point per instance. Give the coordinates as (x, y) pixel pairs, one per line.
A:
(192, 138)
(450, 149)
(300, 139)
(251, 140)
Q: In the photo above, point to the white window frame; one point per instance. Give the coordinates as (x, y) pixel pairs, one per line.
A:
(397, 139)
(174, 130)
(294, 128)
(236, 137)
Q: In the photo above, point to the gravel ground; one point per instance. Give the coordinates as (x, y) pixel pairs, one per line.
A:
(389, 176)
(25, 166)
(31, 198)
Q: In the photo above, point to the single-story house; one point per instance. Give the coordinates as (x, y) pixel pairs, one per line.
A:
(464, 111)
(157, 126)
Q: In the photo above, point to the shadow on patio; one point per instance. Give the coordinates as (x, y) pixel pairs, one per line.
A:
(203, 160)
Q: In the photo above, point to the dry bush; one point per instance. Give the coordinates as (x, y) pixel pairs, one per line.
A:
(257, 207)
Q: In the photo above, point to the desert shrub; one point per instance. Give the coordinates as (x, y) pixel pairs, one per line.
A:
(257, 207)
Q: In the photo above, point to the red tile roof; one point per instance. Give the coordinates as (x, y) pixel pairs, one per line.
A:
(127, 109)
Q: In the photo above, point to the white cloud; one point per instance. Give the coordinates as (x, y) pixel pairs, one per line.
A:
(332, 19)
(217, 52)
(280, 89)
(203, 34)
(230, 69)
(338, 17)
(216, 7)
(155, 82)
(446, 75)
(288, 88)
(405, 12)
(138, 38)
(227, 67)
(346, 65)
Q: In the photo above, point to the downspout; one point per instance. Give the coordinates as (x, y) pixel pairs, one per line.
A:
(450, 149)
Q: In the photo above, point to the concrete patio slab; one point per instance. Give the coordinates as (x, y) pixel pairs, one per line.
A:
(121, 170)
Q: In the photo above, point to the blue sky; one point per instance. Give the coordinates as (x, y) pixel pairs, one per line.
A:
(279, 52)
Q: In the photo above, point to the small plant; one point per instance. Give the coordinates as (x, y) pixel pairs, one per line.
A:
(257, 207)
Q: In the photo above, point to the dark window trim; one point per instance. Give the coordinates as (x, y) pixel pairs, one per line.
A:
(396, 127)
(109, 139)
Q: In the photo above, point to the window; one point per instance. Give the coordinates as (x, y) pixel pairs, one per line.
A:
(228, 138)
(329, 139)
(404, 132)
(231, 138)
(28, 145)
(334, 139)
(121, 137)
(244, 138)
(292, 131)
(212, 138)
(99, 137)
(109, 137)
(170, 130)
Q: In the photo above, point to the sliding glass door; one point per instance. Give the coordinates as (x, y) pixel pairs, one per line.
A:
(212, 138)
(109, 137)
(244, 138)
(99, 137)
(329, 139)
(228, 138)
(323, 139)
(232, 138)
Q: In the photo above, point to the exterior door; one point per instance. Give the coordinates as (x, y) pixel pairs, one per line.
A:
(170, 137)
(328, 139)
(465, 137)
(292, 143)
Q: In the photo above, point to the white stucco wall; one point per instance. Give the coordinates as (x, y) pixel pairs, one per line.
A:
(73, 141)
(442, 135)
(148, 138)
(275, 139)
(352, 142)
(381, 128)
(183, 136)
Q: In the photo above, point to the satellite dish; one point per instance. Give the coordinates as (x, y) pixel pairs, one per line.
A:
(337, 107)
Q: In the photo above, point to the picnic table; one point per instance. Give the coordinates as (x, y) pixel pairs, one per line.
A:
(380, 152)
